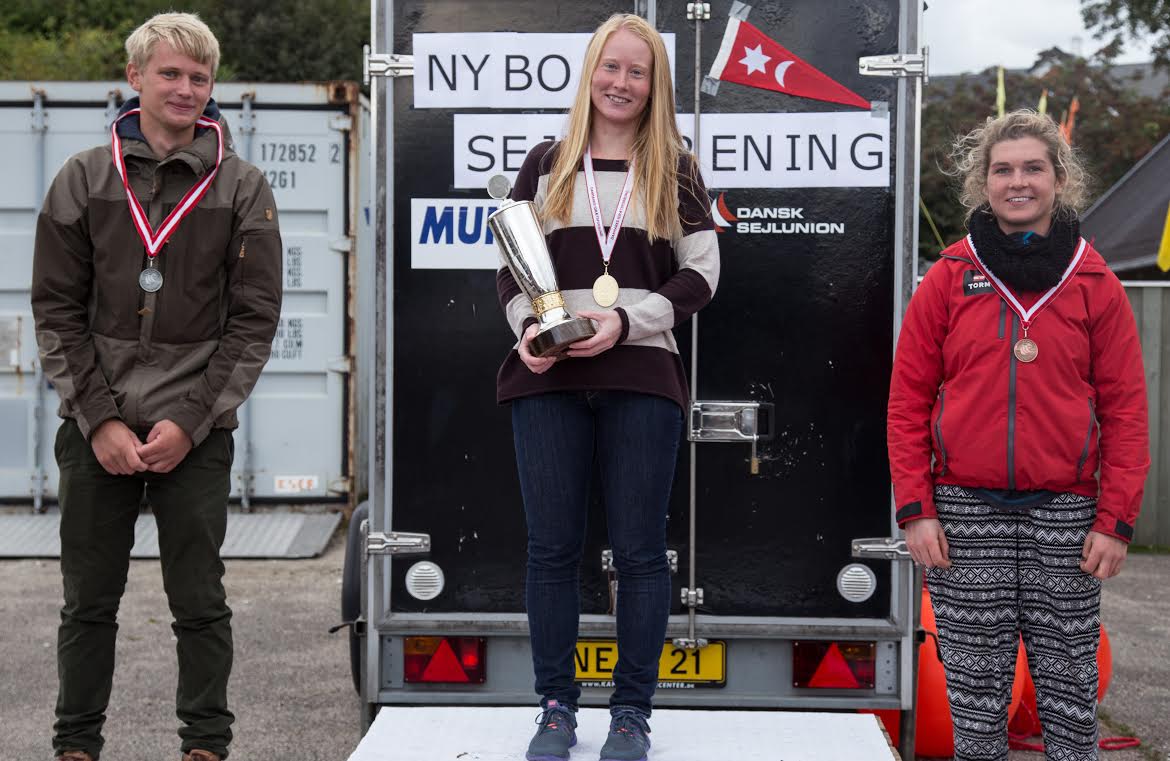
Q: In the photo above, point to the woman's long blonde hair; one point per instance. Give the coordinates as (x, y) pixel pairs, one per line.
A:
(657, 144)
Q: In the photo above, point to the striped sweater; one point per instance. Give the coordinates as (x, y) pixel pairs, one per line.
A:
(662, 284)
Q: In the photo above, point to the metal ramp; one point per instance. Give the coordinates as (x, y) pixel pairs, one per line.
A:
(249, 535)
(502, 734)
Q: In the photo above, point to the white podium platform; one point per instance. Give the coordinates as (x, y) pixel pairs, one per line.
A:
(473, 733)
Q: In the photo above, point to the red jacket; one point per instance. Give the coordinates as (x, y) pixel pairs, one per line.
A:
(964, 411)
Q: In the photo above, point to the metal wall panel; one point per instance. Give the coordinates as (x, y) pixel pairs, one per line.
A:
(1151, 307)
(299, 417)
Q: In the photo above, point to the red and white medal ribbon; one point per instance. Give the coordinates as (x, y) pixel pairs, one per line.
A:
(1028, 316)
(607, 241)
(154, 240)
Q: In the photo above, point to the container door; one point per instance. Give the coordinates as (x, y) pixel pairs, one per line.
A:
(298, 411)
(296, 418)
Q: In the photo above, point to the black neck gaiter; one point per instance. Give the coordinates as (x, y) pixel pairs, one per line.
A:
(1025, 261)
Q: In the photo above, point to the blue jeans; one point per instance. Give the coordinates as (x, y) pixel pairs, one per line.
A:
(634, 440)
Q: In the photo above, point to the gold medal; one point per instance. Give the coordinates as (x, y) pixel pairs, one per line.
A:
(1025, 350)
(605, 290)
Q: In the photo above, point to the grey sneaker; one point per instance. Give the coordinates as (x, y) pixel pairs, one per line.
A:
(556, 734)
(628, 738)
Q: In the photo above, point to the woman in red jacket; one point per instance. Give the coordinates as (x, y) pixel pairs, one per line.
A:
(1018, 441)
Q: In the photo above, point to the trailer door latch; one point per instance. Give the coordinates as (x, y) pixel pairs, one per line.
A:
(746, 422)
(397, 543)
(880, 548)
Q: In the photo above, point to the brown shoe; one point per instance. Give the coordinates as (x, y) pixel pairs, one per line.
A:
(74, 755)
(200, 755)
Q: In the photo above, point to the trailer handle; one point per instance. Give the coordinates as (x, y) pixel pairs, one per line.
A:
(880, 548)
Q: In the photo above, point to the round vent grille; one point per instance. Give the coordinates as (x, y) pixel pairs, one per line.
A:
(424, 580)
(856, 582)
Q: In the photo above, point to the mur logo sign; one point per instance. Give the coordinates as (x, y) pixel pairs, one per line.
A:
(452, 234)
(769, 220)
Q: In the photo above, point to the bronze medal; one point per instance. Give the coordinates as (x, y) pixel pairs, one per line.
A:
(1025, 350)
(605, 290)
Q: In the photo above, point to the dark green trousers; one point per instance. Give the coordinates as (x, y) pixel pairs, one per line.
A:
(98, 511)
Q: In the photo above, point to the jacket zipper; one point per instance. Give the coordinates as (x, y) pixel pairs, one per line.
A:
(1088, 440)
(942, 398)
(1011, 416)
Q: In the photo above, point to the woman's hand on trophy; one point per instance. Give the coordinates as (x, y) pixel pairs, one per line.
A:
(609, 328)
(536, 364)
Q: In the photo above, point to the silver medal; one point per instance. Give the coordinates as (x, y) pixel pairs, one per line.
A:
(150, 279)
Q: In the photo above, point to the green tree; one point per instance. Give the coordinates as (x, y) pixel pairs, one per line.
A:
(1115, 127)
(315, 40)
(267, 42)
(1117, 20)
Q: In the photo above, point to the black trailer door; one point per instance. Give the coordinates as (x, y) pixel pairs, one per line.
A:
(802, 322)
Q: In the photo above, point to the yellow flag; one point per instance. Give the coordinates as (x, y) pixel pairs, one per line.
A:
(1000, 97)
(1043, 106)
(1164, 249)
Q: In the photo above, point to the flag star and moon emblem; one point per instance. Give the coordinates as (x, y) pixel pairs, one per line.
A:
(749, 57)
(754, 59)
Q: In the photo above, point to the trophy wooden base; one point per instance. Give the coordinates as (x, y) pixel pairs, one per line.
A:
(555, 339)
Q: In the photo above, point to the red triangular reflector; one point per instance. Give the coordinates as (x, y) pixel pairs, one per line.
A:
(833, 671)
(444, 666)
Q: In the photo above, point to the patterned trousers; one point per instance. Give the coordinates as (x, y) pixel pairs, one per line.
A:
(1016, 573)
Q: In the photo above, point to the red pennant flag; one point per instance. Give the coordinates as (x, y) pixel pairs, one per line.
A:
(750, 57)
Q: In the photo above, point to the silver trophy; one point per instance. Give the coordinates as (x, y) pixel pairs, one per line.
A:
(520, 237)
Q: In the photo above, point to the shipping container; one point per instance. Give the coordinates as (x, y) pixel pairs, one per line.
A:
(298, 434)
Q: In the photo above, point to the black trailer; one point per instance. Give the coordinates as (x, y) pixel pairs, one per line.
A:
(781, 523)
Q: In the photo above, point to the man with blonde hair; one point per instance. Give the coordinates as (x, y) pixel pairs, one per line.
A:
(156, 293)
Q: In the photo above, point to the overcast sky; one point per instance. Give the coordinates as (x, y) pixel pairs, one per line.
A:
(970, 35)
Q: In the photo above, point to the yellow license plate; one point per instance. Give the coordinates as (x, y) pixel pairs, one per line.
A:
(596, 659)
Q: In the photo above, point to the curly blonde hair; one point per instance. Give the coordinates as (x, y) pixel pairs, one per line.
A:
(971, 154)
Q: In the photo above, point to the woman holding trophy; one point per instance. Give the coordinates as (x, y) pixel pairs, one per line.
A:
(628, 227)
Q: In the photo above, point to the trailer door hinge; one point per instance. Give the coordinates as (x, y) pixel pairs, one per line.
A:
(897, 65)
(698, 11)
(397, 543)
(385, 65)
(880, 548)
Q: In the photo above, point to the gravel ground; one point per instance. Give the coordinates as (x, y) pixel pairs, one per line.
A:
(291, 688)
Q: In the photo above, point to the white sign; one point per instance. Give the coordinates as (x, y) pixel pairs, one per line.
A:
(501, 69)
(814, 150)
(452, 234)
(294, 484)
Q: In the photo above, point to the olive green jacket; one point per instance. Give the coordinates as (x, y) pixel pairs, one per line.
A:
(191, 352)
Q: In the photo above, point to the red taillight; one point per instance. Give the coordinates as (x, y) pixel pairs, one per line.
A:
(450, 660)
(835, 665)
